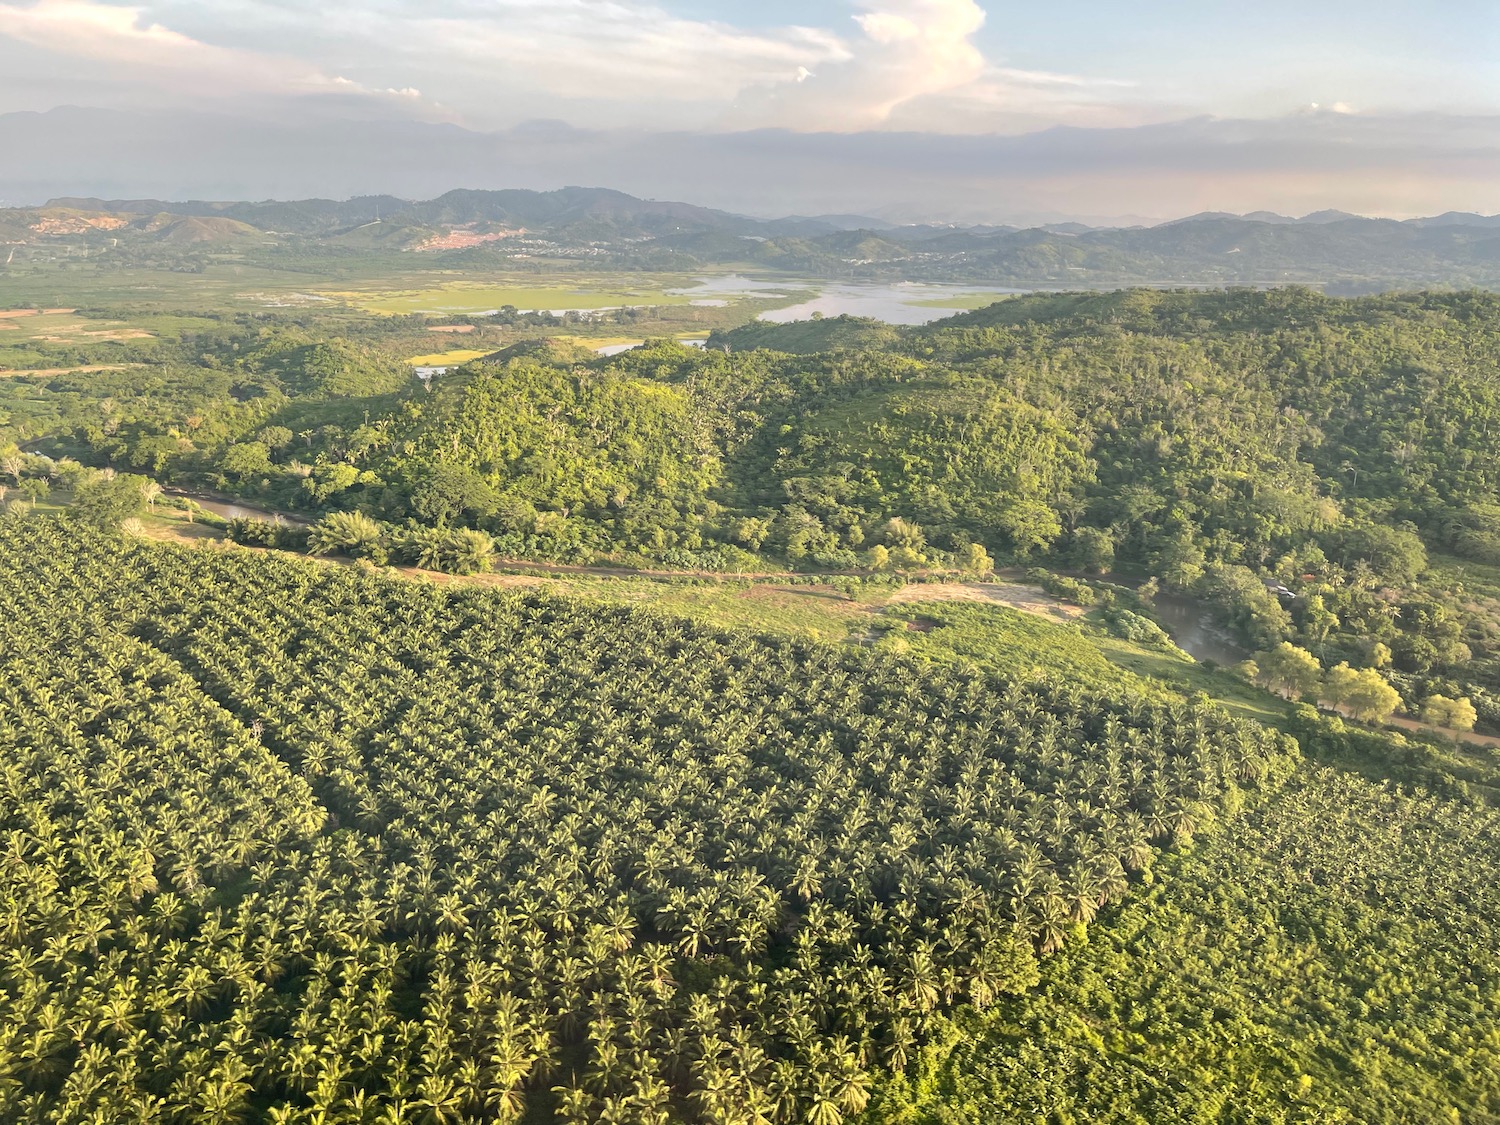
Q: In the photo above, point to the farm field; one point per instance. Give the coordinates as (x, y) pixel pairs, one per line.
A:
(1123, 1009)
(788, 723)
(959, 301)
(443, 359)
(476, 299)
(387, 284)
(180, 626)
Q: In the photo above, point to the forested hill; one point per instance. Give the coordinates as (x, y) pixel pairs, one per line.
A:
(1220, 443)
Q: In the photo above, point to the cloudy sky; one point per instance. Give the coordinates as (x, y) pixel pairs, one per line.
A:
(1081, 107)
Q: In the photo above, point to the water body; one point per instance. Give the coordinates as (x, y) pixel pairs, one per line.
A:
(735, 285)
(901, 303)
(1192, 626)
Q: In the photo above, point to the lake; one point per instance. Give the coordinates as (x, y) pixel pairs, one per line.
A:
(901, 303)
(905, 302)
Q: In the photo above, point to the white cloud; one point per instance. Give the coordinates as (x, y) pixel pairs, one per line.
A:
(117, 39)
(904, 50)
(1007, 100)
(899, 64)
(610, 50)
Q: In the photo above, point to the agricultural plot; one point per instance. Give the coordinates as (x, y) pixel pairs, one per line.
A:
(476, 299)
(549, 857)
(448, 358)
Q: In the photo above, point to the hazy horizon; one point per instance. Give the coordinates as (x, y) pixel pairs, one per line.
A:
(906, 110)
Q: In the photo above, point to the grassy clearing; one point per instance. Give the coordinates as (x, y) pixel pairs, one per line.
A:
(346, 289)
(449, 358)
(217, 288)
(67, 328)
(603, 341)
(8, 373)
(808, 612)
(1186, 675)
(1480, 578)
(1010, 642)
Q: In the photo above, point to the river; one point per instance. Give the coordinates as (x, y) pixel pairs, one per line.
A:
(1194, 630)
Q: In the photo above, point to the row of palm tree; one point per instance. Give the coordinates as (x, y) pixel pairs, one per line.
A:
(300, 843)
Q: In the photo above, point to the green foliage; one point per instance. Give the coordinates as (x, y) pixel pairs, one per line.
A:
(348, 533)
(1064, 587)
(441, 493)
(327, 368)
(975, 560)
(33, 489)
(268, 533)
(299, 842)
(617, 451)
(1455, 714)
(108, 499)
(1328, 956)
(808, 336)
(1291, 672)
(246, 459)
(1361, 693)
(454, 550)
(1135, 628)
(956, 456)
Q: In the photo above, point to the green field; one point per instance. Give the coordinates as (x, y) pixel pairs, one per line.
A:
(378, 283)
(473, 299)
(441, 831)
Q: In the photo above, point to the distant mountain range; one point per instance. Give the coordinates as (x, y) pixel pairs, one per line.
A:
(485, 228)
(568, 208)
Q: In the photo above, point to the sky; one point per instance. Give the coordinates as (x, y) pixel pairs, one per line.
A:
(1071, 108)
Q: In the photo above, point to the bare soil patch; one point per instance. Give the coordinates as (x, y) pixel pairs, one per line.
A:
(1458, 736)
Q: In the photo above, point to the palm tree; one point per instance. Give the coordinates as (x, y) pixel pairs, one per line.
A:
(470, 551)
(350, 533)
